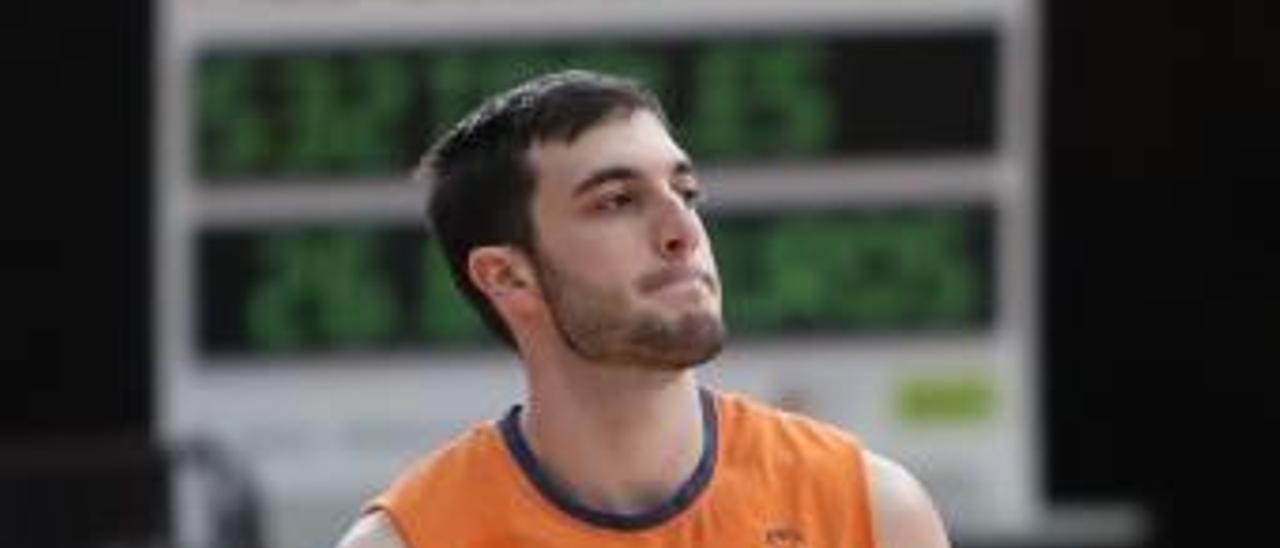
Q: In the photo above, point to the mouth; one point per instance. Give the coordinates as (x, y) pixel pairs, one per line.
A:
(673, 276)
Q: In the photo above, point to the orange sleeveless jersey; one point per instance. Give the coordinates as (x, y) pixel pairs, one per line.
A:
(766, 479)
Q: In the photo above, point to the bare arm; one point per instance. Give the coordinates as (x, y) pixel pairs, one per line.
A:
(904, 514)
(373, 530)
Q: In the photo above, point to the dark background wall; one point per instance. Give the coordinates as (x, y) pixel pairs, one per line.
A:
(1161, 323)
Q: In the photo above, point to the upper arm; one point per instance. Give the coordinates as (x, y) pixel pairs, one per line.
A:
(904, 514)
(373, 530)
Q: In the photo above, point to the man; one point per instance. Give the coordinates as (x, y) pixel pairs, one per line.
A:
(569, 218)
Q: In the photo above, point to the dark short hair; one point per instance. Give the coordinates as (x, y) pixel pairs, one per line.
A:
(480, 180)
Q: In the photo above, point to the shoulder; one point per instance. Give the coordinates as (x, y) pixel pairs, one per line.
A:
(448, 470)
(759, 434)
(429, 496)
(904, 514)
(373, 530)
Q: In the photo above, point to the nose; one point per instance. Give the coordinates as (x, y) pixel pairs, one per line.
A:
(678, 229)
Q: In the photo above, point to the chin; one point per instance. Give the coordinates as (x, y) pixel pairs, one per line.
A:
(691, 340)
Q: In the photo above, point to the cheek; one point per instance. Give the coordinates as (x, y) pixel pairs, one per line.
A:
(609, 243)
(591, 250)
(598, 259)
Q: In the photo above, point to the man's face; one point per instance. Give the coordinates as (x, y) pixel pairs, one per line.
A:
(623, 259)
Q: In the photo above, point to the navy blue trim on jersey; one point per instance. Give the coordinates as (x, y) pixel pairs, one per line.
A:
(682, 499)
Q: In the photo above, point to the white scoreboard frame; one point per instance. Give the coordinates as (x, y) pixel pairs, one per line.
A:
(335, 435)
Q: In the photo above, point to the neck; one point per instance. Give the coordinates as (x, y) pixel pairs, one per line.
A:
(620, 440)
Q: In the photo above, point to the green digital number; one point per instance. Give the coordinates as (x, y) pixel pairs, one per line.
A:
(319, 291)
(872, 271)
(946, 278)
(791, 97)
(344, 121)
(760, 100)
(719, 125)
(804, 257)
(340, 115)
(235, 135)
(878, 274)
(903, 271)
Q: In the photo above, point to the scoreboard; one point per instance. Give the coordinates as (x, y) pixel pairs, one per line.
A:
(870, 167)
(315, 289)
(337, 112)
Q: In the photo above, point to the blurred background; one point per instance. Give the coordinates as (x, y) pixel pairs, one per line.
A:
(1066, 335)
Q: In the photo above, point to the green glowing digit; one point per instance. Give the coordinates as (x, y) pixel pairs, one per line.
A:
(803, 269)
(954, 286)
(916, 258)
(319, 290)
(718, 127)
(870, 271)
(354, 306)
(343, 121)
(272, 313)
(760, 100)
(234, 139)
(911, 271)
(877, 296)
(368, 137)
(791, 100)
(312, 91)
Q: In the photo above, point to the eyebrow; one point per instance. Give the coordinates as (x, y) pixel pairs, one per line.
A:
(623, 172)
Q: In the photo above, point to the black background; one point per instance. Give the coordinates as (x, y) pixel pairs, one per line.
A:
(1161, 326)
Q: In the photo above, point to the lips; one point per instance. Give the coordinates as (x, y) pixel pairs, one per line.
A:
(660, 279)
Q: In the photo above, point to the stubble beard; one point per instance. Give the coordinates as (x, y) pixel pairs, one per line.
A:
(601, 326)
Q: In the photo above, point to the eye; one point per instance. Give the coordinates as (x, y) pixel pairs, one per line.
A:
(614, 201)
(692, 196)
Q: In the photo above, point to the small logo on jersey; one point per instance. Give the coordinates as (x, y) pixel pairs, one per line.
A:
(784, 537)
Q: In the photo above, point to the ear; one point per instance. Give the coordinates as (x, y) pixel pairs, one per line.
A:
(502, 273)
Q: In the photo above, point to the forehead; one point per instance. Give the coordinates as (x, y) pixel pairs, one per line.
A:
(636, 139)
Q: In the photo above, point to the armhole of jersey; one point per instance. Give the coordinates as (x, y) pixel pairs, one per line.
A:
(380, 505)
(864, 495)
